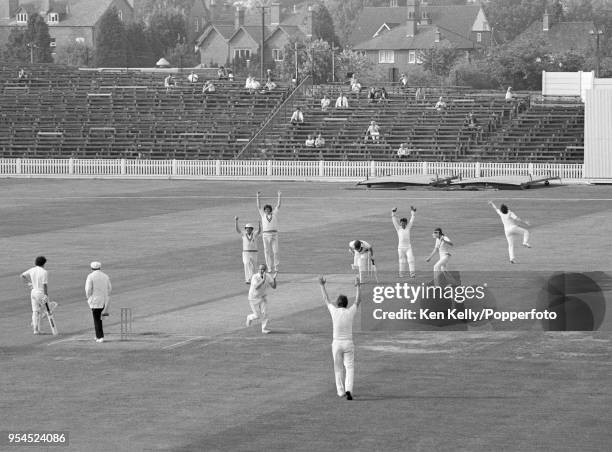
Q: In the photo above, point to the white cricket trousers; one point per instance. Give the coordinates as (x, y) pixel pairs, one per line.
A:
(260, 311)
(36, 297)
(249, 259)
(406, 261)
(270, 242)
(512, 234)
(363, 262)
(441, 267)
(344, 365)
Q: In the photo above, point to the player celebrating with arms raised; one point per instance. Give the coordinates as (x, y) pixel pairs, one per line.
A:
(511, 228)
(269, 220)
(343, 348)
(249, 249)
(404, 247)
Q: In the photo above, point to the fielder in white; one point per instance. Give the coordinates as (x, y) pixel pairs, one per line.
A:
(404, 247)
(363, 258)
(258, 297)
(97, 290)
(269, 220)
(343, 348)
(512, 228)
(249, 249)
(443, 246)
(37, 279)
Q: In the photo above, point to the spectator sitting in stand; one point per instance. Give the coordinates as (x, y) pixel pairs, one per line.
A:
(403, 150)
(230, 75)
(221, 73)
(209, 87)
(320, 141)
(509, 95)
(404, 81)
(22, 74)
(382, 95)
(297, 117)
(310, 142)
(269, 86)
(373, 131)
(342, 101)
(169, 82)
(192, 77)
(325, 103)
(441, 105)
(372, 94)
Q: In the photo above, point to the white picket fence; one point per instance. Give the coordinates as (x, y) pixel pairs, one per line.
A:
(272, 169)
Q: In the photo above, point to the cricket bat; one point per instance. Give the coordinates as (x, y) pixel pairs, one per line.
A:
(49, 315)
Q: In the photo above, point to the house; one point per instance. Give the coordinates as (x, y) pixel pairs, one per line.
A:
(396, 35)
(69, 21)
(235, 34)
(560, 37)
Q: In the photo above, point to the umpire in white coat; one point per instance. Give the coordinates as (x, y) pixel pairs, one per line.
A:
(98, 289)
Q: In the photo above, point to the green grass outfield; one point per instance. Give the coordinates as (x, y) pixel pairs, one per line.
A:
(193, 377)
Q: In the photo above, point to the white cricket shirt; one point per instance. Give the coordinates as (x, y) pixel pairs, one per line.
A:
(443, 246)
(508, 219)
(38, 276)
(249, 243)
(259, 294)
(403, 235)
(342, 319)
(269, 224)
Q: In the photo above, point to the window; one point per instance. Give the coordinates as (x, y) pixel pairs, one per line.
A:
(22, 18)
(242, 54)
(393, 3)
(53, 18)
(120, 14)
(479, 37)
(277, 54)
(52, 42)
(386, 56)
(412, 56)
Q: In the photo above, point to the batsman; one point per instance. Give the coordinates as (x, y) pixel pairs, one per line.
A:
(37, 279)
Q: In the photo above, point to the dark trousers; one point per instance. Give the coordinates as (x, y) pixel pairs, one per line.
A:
(97, 316)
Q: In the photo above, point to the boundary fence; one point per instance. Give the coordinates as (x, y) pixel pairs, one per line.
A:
(273, 169)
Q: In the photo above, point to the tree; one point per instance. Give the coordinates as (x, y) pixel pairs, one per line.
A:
(367, 71)
(165, 32)
(110, 41)
(509, 18)
(74, 54)
(345, 14)
(30, 44)
(440, 59)
(138, 49)
(314, 58)
(16, 49)
(323, 25)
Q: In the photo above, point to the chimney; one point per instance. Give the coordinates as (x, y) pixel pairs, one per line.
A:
(238, 18)
(309, 20)
(8, 8)
(438, 35)
(275, 14)
(413, 15)
(546, 21)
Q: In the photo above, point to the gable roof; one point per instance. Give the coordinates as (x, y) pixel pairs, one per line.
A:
(425, 38)
(225, 31)
(561, 36)
(457, 18)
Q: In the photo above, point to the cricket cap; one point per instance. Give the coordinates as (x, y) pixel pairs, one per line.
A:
(249, 225)
(95, 265)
